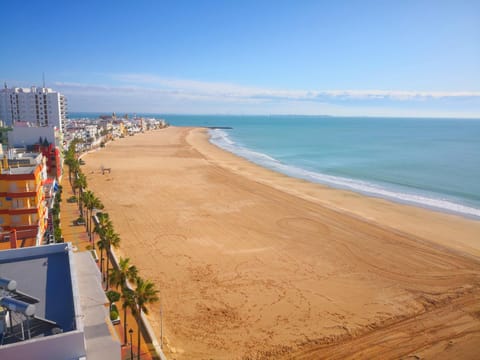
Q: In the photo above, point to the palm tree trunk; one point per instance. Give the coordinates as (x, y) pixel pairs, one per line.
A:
(101, 263)
(89, 225)
(107, 251)
(139, 313)
(80, 201)
(124, 324)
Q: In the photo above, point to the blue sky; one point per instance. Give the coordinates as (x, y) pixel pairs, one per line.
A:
(380, 58)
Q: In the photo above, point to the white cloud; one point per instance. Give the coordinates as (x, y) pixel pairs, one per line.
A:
(150, 93)
(238, 91)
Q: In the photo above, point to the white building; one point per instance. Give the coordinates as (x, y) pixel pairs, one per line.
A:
(91, 131)
(24, 134)
(40, 106)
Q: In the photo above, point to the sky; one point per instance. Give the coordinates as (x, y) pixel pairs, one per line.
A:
(346, 58)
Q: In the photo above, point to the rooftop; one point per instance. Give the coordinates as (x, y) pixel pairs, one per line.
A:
(69, 316)
(21, 170)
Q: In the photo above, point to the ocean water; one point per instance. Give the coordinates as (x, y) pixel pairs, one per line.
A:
(432, 163)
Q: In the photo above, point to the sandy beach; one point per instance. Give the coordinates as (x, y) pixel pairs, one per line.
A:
(252, 264)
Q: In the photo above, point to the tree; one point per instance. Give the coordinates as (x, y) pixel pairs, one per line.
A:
(80, 183)
(95, 203)
(87, 199)
(111, 239)
(91, 202)
(128, 302)
(119, 277)
(71, 160)
(144, 293)
(125, 272)
(104, 223)
(112, 296)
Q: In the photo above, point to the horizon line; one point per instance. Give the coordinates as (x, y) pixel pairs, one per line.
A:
(280, 115)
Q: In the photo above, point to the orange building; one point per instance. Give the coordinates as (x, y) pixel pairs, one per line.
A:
(23, 211)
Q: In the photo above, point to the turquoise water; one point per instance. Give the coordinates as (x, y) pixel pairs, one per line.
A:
(432, 163)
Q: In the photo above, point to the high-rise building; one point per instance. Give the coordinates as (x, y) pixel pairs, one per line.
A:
(40, 106)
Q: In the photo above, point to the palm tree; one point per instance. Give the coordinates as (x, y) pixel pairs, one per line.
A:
(128, 302)
(104, 223)
(87, 199)
(91, 202)
(119, 277)
(101, 246)
(73, 169)
(95, 204)
(70, 159)
(111, 239)
(144, 293)
(80, 183)
(124, 273)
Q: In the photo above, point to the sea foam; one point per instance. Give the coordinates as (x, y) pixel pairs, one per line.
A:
(222, 139)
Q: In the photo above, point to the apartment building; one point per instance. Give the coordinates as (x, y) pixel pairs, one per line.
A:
(23, 210)
(40, 106)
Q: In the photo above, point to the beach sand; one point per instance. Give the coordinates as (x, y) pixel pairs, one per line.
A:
(252, 264)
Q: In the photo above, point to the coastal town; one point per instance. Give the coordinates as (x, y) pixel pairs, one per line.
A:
(240, 180)
(74, 304)
(123, 237)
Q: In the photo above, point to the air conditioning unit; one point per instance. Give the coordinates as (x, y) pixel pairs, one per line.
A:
(6, 238)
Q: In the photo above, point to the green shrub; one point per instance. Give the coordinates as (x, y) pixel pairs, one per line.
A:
(113, 296)
(113, 314)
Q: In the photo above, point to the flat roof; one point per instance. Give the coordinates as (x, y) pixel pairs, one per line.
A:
(43, 273)
(21, 170)
(69, 292)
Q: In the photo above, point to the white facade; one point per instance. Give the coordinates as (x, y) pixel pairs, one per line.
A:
(21, 136)
(91, 131)
(41, 106)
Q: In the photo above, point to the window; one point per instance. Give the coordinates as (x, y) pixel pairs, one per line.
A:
(17, 203)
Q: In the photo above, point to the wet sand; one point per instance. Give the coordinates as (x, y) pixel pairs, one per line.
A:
(252, 264)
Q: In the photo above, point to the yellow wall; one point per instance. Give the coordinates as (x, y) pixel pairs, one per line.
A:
(24, 202)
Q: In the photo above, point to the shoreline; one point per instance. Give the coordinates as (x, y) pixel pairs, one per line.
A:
(251, 262)
(352, 202)
(362, 187)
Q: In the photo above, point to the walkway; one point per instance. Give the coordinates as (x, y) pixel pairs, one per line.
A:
(78, 236)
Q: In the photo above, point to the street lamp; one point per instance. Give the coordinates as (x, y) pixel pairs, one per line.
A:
(131, 343)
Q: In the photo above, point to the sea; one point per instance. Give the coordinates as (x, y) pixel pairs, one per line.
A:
(426, 162)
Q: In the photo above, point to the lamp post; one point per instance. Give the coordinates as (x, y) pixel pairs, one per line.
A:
(131, 343)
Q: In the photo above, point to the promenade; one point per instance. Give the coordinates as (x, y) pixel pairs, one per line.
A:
(77, 235)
